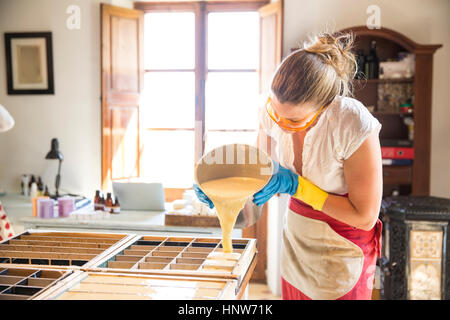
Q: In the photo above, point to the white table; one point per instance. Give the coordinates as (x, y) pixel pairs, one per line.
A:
(19, 212)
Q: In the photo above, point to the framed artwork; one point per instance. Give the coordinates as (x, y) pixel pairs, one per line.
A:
(29, 63)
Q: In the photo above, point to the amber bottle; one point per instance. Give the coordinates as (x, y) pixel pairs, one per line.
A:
(102, 202)
(46, 193)
(109, 203)
(116, 207)
(98, 201)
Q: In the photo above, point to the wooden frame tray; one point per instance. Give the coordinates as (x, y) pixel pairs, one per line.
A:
(184, 256)
(55, 249)
(27, 283)
(35, 263)
(118, 286)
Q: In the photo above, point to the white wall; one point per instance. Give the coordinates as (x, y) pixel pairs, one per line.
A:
(72, 114)
(426, 22)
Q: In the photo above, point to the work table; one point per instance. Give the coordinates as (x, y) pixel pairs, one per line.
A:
(18, 210)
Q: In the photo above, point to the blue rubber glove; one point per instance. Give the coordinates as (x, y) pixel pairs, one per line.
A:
(283, 181)
(201, 196)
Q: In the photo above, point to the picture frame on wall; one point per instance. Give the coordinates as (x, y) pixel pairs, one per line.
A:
(29, 62)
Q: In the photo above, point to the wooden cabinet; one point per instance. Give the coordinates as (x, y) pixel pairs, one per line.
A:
(397, 174)
(411, 179)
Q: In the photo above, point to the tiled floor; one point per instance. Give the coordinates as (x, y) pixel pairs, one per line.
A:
(260, 291)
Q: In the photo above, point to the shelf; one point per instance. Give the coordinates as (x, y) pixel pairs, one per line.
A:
(399, 80)
(389, 44)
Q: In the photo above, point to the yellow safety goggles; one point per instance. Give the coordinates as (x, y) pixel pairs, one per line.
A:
(289, 124)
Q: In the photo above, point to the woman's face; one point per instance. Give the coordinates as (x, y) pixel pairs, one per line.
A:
(303, 112)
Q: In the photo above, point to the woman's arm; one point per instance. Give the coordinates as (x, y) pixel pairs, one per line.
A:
(363, 174)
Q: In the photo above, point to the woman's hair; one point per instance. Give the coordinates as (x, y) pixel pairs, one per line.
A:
(323, 69)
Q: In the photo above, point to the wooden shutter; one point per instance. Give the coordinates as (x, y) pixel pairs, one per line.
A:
(122, 81)
(271, 44)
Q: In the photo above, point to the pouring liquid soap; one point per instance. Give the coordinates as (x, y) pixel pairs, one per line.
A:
(229, 196)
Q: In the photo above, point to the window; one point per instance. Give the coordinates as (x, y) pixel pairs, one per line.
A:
(168, 99)
(232, 79)
(200, 84)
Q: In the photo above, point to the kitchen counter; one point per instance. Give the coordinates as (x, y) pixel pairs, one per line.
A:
(18, 210)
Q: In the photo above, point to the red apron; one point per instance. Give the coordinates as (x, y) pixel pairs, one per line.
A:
(368, 241)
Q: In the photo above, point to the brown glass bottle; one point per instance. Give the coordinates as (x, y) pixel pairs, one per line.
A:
(116, 207)
(98, 201)
(46, 193)
(102, 202)
(109, 203)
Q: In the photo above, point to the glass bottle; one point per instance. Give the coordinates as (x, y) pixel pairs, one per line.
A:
(116, 207)
(360, 61)
(46, 193)
(102, 202)
(109, 203)
(97, 201)
(40, 185)
(372, 63)
(32, 180)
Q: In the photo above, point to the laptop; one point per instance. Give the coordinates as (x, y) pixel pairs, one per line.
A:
(139, 195)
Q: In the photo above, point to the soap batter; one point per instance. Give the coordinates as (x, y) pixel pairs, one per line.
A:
(229, 196)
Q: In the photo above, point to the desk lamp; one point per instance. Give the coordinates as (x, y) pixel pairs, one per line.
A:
(55, 154)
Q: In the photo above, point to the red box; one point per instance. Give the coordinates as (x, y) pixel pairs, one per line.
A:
(397, 153)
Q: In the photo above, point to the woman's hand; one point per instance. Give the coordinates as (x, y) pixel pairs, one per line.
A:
(202, 196)
(285, 181)
(282, 181)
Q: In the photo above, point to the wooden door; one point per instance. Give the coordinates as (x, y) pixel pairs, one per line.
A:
(122, 81)
(271, 43)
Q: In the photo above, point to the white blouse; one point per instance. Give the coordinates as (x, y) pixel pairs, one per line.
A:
(340, 131)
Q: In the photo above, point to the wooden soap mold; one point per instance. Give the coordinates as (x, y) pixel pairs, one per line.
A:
(223, 288)
(26, 283)
(55, 249)
(184, 256)
(88, 240)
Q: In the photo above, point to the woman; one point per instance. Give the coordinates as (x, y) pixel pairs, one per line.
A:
(330, 163)
(6, 123)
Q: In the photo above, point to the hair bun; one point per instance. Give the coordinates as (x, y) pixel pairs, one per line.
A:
(335, 50)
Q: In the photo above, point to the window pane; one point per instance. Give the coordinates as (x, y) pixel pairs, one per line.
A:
(168, 157)
(231, 100)
(217, 139)
(233, 40)
(169, 40)
(168, 100)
